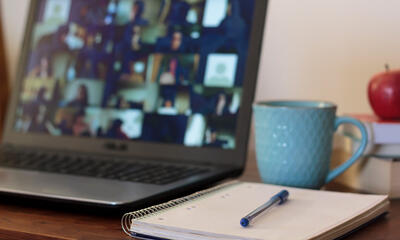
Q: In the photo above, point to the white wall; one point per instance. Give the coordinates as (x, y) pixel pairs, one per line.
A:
(313, 50)
(13, 16)
(328, 49)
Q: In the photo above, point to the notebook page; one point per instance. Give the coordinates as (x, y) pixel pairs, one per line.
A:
(307, 214)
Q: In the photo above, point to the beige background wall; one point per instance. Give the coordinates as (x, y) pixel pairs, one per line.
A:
(328, 49)
(313, 49)
(13, 14)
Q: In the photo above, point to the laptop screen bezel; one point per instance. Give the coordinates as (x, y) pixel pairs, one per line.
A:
(234, 157)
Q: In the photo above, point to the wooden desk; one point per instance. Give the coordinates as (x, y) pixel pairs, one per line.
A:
(37, 222)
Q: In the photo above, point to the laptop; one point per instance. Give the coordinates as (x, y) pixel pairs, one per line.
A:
(131, 102)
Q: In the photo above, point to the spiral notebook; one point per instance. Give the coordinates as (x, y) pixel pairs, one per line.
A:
(215, 214)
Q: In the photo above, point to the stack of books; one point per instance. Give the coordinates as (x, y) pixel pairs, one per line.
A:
(379, 170)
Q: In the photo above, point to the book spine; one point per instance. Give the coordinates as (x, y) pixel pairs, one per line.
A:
(384, 151)
(128, 218)
(378, 132)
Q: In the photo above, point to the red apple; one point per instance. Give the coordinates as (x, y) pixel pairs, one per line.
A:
(384, 94)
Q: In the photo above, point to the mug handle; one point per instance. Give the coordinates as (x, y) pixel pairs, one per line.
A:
(364, 141)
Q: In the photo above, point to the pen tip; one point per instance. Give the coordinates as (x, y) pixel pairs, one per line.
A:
(244, 222)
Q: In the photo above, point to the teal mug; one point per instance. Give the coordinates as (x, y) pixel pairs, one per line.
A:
(294, 142)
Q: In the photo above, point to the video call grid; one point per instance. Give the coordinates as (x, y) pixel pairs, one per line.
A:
(153, 70)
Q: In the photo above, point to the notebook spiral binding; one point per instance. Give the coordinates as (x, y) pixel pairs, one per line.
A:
(127, 219)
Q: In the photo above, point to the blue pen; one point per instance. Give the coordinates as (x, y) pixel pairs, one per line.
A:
(278, 199)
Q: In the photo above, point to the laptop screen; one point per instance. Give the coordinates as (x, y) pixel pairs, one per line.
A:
(160, 71)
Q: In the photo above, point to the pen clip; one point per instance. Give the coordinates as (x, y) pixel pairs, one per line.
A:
(283, 196)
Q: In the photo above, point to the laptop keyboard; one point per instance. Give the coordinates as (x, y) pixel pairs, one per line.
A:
(99, 168)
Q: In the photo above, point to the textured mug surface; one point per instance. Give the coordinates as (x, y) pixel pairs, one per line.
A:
(294, 142)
